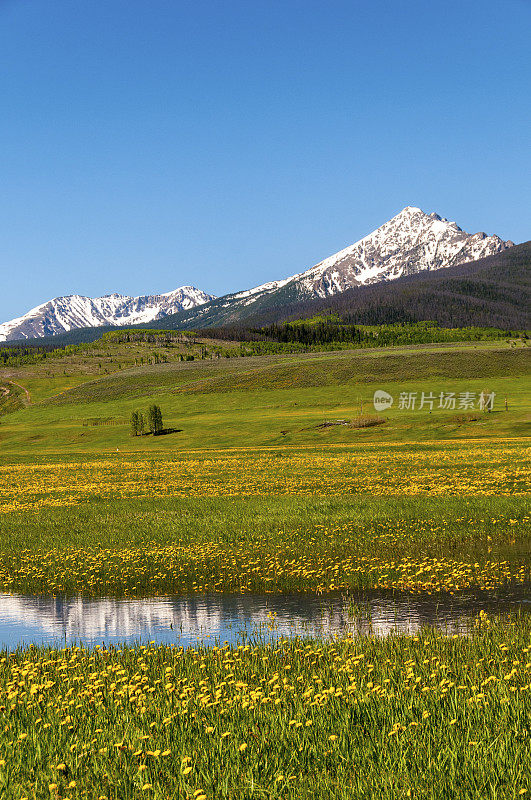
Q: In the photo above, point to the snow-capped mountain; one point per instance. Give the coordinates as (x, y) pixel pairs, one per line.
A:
(75, 311)
(409, 243)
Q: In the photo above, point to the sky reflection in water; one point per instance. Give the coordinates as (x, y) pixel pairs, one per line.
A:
(218, 618)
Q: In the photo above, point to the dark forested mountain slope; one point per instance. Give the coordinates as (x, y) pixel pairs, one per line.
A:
(494, 291)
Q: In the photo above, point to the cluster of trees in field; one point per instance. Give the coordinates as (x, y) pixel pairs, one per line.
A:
(153, 421)
(149, 335)
(168, 338)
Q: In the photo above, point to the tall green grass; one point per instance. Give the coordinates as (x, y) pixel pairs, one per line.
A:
(424, 716)
(283, 544)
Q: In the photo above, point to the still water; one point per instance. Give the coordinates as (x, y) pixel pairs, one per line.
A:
(214, 619)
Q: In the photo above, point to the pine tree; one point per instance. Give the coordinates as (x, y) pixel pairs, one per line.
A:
(155, 420)
(151, 415)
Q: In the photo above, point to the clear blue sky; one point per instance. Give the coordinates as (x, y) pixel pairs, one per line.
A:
(147, 144)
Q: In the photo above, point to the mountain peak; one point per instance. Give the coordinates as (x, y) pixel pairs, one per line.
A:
(408, 210)
(408, 243)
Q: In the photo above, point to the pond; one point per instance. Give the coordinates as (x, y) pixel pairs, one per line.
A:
(214, 619)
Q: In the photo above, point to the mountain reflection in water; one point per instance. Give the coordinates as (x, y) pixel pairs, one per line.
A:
(220, 618)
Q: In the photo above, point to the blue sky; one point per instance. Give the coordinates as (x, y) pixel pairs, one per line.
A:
(150, 144)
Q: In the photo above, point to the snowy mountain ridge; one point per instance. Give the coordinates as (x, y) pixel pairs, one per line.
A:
(410, 242)
(76, 311)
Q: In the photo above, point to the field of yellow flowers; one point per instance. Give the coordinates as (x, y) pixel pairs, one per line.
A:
(426, 716)
(489, 467)
(255, 520)
(330, 558)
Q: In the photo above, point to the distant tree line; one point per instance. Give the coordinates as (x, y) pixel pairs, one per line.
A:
(329, 332)
(18, 356)
(325, 331)
(321, 331)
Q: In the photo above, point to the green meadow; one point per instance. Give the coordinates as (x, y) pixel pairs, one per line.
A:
(272, 400)
(262, 454)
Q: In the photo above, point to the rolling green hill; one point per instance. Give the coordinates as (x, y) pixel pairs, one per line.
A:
(262, 400)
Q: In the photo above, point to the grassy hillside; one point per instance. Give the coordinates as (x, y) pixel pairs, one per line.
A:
(44, 370)
(12, 396)
(266, 400)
